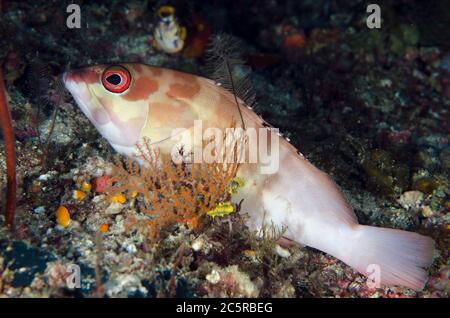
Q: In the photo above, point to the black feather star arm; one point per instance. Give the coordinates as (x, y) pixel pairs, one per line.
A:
(225, 65)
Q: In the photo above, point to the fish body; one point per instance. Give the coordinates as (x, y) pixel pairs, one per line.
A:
(163, 105)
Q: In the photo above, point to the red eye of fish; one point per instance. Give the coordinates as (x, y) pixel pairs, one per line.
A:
(116, 79)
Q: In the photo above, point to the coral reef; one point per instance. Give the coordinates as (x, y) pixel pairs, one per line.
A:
(368, 106)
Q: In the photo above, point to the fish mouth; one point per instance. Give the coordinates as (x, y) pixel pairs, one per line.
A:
(85, 99)
(74, 87)
(71, 76)
(160, 141)
(169, 137)
(64, 77)
(72, 81)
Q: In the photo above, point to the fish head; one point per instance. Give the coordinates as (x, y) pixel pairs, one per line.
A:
(114, 98)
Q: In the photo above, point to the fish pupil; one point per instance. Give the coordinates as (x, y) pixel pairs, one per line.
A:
(114, 79)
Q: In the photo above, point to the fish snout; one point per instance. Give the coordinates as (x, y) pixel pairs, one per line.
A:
(90, 75)
(64, 77)
(71, 77)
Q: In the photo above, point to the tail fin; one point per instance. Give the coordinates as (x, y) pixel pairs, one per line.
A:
(398, 255)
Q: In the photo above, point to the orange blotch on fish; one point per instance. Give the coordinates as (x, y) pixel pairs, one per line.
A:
(103, 228)
(184, 77)
(142, 88)
(101, 184)
(63, 216)
(156, 71)
(164, 112)
(137, 68)
(185, 90)
(92, 75)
